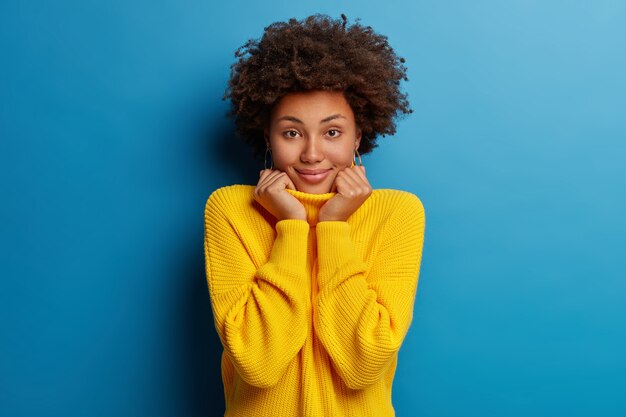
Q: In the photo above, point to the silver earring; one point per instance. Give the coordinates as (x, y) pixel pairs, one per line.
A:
(356, 154)
(268, 150)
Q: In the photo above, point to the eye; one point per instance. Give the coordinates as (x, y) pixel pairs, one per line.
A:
(291, 134)
(333, 133)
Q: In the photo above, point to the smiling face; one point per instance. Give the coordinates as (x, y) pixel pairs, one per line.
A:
(313, 136)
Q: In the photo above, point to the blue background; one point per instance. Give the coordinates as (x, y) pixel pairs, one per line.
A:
(113, 135)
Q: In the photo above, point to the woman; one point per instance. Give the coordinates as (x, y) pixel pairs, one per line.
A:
(311, 273)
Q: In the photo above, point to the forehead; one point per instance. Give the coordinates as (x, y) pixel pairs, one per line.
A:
(312, 105)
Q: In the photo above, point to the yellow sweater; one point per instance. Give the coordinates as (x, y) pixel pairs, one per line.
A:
(311, 315)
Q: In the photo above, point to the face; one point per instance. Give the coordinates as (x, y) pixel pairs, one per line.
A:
(313, 136)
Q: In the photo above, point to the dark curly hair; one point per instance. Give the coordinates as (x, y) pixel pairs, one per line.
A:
(318, 53)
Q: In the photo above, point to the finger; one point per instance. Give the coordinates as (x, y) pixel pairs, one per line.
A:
(265, 184)
(359, 183)
(279, 182)
(276, 172)
(333, 187)
(353, 174)
(364, 177)
(290, 183)
(268, 178)
(265, 172)
(360, 170)
(346, 183)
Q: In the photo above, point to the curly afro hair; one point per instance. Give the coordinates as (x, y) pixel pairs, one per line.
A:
(318, 53)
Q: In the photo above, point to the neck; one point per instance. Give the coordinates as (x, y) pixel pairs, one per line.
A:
(312, 203)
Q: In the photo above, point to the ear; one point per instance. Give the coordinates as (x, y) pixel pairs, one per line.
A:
(357, 141)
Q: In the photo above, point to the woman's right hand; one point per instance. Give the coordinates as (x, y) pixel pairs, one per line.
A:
(270, 193)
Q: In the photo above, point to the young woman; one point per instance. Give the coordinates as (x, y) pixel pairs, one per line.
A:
(311, 273)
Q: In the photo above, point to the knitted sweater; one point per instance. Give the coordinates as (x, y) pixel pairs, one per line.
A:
(311, 314)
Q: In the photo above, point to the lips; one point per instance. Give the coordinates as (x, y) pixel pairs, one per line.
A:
(313, 176)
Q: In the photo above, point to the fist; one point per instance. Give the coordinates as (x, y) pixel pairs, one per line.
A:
(352, 190)
(271, 193)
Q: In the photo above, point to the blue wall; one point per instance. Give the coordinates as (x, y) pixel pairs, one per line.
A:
(113, 135)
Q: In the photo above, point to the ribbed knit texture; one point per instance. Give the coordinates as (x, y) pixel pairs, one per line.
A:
(311, 314)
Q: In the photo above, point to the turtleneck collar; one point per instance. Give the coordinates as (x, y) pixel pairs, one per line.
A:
(312, 203)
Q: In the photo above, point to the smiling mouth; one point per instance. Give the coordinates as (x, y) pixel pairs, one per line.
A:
(313, 176)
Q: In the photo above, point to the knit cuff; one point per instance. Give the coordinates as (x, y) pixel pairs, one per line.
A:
(334, 248)
(290, 246)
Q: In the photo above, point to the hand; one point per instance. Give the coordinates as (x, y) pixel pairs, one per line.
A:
(270, 193)
(352, 190)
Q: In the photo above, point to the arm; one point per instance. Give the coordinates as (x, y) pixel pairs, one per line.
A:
(260, 314)
(362, 316)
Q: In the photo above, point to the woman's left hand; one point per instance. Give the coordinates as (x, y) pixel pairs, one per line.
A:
(352, 190)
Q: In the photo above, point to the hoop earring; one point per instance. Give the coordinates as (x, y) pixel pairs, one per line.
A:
(268, 150)
(356, 154)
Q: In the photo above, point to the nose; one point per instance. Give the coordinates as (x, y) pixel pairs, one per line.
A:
(312, 152)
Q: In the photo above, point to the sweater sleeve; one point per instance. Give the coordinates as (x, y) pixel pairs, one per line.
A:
(362, 315)
(260, 314)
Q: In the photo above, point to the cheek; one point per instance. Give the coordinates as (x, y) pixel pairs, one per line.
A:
(284, 156)
(343, 155)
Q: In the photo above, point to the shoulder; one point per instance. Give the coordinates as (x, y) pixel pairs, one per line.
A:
(230, 192)
(397, 201)
(230, 198)
(399, 214)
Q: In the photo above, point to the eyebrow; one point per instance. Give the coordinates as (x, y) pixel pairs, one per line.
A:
(324, 120)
